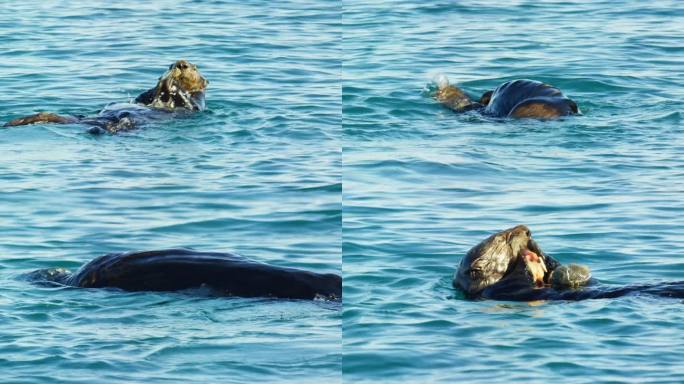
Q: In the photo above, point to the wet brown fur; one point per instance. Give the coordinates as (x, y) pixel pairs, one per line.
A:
(452, 97)
(536, 110)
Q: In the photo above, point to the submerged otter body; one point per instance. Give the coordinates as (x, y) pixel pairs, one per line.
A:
(509, 265)
(516, 98)
(179, 91)
(224, 274)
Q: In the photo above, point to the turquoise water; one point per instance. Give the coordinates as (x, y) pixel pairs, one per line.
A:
(422, 185)
(258, 173)
(373, 179)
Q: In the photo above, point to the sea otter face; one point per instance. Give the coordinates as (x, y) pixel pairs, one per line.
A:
(495, 257)
(188, 77)
(182, 86)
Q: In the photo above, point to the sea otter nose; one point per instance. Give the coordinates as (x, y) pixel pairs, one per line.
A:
(528, 233)
(180, 64)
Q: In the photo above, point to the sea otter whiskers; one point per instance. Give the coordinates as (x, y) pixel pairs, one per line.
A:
(180, 90)
(509, 265)
(224, 274)
(516, 98)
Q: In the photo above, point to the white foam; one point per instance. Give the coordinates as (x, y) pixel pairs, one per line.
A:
(441, 80)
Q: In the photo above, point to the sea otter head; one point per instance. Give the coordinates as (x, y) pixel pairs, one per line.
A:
(507, 253)
(188, 77)
(182, 86)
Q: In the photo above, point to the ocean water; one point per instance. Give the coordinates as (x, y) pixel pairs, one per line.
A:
(422, 185)
(259, 173)
(372, 179)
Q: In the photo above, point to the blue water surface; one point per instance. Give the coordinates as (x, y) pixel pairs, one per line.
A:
(422, 185)
(258, 173)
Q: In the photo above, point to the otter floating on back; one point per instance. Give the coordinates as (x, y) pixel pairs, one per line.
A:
(179, 91)
(224, 274)
(516, 98)
(509, 265)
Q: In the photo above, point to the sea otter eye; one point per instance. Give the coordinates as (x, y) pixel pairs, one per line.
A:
(528, 233)
(183, 66)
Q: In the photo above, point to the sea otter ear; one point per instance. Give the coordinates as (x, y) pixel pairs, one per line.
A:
(484, 99)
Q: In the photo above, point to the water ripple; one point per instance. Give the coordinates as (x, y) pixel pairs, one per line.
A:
(258, 173)
(422, 185)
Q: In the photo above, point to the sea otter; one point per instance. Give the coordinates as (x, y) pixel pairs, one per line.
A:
(224, 274)
(180, 90)
(509, 265)
(516, 98)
